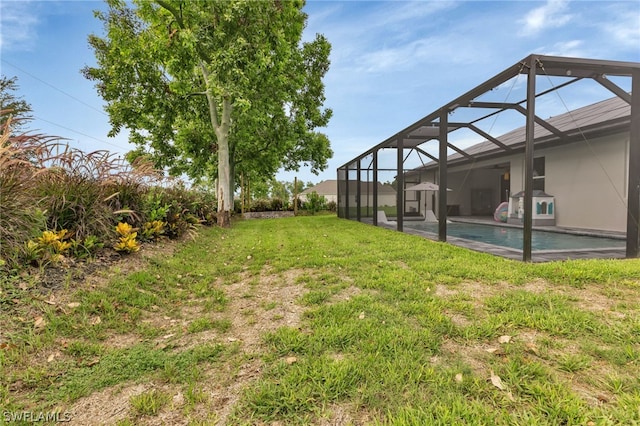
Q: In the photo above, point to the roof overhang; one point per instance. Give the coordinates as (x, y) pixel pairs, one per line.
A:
(574, 69)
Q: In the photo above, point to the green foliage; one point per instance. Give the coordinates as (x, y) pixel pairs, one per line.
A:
(156, 205)
(12, 105)
(260, 205)
(149, 403)
(179, 209)
(86, 248)
(152, 230)
(129, 183)
(277, 204)
(263, 96)
(315, 202)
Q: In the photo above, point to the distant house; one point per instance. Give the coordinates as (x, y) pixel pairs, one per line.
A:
(329, 189)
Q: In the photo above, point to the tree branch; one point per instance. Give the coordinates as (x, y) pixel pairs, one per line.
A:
(172, 10)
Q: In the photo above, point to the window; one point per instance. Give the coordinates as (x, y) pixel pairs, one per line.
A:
(538, 173)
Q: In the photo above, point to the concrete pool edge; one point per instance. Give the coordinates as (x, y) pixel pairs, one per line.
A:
(516, 254)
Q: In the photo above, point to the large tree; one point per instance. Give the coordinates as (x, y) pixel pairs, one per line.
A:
(12, 105)
(210, 87)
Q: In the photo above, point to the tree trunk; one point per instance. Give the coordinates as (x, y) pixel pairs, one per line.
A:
(225, 197)
(232, 179)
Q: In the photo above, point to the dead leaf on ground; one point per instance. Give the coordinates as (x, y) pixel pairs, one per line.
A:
(495, 351)
(39, 323)
(504, 339)
(290, 360)
(95, 320)
(7, 346)
(73, 304)
(532, 347)
(496, 381)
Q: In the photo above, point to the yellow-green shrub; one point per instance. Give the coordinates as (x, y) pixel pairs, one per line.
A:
(127, 242)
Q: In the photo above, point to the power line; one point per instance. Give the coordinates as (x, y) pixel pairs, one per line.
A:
(70, 96)
(54, 87)
(80, 133)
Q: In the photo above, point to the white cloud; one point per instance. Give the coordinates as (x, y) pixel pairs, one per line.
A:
(17, 25)
(423, 51)
(624, 28)
(551, 15)
(403, 12)
(571, 48)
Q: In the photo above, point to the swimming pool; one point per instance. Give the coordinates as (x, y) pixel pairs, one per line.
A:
(512, 237)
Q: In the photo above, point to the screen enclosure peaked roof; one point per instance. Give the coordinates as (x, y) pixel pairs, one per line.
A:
(436, 126)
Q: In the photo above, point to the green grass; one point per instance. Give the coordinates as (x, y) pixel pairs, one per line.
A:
(149, 403)
(394, 330)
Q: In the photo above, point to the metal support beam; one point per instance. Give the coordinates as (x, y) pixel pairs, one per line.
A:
(442, 176)
(358, 192)
(458, 150)
(492, 105)
(339, 194)
(488, 137)
(425, 153)
(346, 193)
(611, 86)
(400, 182)
(539, 120)
(375, 187)
(633, 195)
(528, 163)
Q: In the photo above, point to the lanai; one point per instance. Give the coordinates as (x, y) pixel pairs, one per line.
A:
(610, 75)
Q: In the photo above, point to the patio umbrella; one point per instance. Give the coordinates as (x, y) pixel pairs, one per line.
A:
(425, 186)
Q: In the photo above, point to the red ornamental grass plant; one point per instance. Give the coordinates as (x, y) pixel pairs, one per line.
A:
(20, 156)
(73, 193)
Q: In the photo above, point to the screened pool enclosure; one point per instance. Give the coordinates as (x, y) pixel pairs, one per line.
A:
(550, 137)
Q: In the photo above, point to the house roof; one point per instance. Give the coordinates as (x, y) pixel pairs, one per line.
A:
(326, 187)
(608, 116)
(330, 187)
(567, 70)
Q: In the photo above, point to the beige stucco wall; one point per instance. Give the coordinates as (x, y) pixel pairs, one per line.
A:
(383, 200)
(588, 182)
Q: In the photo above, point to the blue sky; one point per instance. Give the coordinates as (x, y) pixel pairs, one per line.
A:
(391, 62)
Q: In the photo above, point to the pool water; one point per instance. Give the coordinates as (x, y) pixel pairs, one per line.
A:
(512, 237)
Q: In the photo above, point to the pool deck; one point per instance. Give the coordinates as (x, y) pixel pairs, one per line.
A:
(538, 255)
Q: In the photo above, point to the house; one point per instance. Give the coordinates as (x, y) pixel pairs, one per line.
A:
(329, 189)
(577, 169)
(326, 188)
(585, 174)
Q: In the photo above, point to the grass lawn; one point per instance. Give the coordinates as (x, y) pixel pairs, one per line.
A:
(317, 320)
